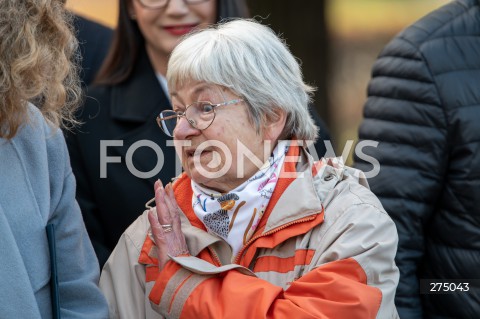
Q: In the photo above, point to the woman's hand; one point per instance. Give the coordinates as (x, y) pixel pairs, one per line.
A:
(166, 226)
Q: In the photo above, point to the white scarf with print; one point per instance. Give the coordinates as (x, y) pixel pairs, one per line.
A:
(235, 216)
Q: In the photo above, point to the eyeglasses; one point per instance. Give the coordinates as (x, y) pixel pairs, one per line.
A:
(199, 114)
(157, 4)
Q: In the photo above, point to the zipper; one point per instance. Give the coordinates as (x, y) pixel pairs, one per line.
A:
(215, 256)
(298, 221)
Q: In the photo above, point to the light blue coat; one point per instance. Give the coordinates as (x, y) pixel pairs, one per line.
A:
(37, 187)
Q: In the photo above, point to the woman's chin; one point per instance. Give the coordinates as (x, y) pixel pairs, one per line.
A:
(202, 178)
(210, 180)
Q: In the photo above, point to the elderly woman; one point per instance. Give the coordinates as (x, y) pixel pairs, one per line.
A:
(253, 228)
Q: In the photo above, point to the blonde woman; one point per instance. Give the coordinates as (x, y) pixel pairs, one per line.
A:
(37, 185)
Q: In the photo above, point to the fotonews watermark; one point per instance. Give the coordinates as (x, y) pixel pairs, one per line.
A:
(221, 157)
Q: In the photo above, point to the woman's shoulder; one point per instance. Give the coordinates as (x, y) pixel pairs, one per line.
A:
(343, 188)
(40, 149)
(37, 131)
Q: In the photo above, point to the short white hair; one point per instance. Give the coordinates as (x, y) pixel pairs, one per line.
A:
(249, 59)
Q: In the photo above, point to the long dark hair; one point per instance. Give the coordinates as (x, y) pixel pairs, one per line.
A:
(128, 40)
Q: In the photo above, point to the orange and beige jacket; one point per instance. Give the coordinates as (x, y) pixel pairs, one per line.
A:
(325, 248)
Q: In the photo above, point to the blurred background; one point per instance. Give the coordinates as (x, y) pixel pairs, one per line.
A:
(337, 42)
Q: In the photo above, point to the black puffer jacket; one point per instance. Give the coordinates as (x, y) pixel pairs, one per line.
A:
(424, 110)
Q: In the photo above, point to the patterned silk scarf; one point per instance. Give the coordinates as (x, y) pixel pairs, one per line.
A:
(235, 216)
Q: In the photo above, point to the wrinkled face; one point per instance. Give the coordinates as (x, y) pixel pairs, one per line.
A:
(162, 28)
(209, 156)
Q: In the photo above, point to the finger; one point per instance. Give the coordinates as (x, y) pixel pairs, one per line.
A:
(170, 201)
(157, 230)
(177, 224)
(175, 216)
(163, 213)
(158, 184)
(171, 196)
(173, 206)
(174, 209)
(159, 239)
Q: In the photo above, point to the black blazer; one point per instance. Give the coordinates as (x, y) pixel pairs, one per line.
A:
(126, 114)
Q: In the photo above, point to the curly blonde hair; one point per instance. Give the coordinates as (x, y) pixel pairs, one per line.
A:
(38, 63)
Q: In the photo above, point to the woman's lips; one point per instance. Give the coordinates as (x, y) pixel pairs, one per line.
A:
(204, 155)
(191, 153)
(178, 30)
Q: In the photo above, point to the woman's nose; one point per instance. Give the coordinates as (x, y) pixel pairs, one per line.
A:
(184, 129)
(177, 8)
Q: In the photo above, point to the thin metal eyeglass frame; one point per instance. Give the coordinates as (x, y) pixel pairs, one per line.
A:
(179, 115)
(168, 1)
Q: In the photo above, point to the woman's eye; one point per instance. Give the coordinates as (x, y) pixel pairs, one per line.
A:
(206, 108)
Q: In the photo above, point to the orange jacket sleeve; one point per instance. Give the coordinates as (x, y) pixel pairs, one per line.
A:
(334, 290)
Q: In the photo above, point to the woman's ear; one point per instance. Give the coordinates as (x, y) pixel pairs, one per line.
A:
(274, 129)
